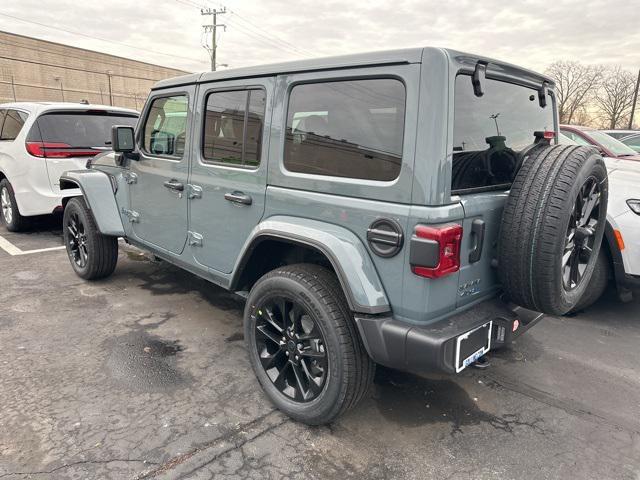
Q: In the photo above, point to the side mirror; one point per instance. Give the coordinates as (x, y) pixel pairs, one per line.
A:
(123, 139)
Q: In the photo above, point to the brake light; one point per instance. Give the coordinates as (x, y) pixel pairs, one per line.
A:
(57, 150)
(435, 251)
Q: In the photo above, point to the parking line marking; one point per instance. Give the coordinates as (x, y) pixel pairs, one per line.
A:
(12, 250)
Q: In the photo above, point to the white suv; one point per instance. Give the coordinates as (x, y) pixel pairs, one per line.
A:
(39, 141)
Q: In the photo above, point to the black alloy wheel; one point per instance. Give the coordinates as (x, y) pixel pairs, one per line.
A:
(580, 238)
(291, 348)
(77, 240)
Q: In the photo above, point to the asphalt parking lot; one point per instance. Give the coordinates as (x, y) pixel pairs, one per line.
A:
(144, 375)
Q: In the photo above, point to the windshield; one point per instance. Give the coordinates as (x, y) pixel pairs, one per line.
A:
(633, 142)
(616, 146)
(490, 131)
(81, 129)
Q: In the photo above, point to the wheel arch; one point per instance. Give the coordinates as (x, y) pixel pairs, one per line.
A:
(98, 191)
(278, 242)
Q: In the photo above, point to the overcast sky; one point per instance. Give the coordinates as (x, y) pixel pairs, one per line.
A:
(169, 32)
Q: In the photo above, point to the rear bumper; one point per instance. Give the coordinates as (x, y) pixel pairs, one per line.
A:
(431, 348)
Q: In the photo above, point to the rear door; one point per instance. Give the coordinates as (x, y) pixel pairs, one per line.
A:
(489, 133)
(68, 138)
(229, 169)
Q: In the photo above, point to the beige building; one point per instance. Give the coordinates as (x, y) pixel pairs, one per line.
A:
(38, 70)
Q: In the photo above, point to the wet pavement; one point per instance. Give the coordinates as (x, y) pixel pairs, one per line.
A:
(144, 375)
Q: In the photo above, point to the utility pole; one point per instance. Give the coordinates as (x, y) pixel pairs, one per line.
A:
(635, 100)
(212, 28)
(109, 73)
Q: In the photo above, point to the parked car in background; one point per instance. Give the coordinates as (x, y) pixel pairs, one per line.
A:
(606, 144)
(632, 141)
(39, 141)
(619, 134)
(619, 258)
(372, 208)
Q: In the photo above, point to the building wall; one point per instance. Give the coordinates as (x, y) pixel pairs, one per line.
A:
(38, 70)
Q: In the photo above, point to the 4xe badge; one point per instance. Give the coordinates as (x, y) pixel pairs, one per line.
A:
(469, 288)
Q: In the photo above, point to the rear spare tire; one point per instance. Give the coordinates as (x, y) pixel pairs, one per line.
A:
(552, 227)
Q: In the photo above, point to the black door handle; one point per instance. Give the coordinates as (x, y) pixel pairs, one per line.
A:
(174, 185)
(477, 236)
(238, 197)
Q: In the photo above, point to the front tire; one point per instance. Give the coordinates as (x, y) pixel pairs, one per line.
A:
(92, 254)
(303, 344)
(10, 214)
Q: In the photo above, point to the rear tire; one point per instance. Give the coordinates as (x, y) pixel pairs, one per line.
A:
(92, 254)
(598, 284)
(343, 370)
(10, 215)
(552, 227)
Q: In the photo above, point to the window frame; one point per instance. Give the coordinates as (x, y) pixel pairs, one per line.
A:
(236, 88)
(4, 116)
(143, 124)
(502, 187)
(342, 79)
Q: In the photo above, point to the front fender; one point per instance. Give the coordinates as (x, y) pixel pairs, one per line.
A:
(345, 251)
(97, 190)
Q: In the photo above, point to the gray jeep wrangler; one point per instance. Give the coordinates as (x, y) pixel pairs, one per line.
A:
(408, 208)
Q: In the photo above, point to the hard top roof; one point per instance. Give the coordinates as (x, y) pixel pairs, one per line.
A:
(388, 57)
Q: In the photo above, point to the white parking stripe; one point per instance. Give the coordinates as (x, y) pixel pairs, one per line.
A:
(11, 249)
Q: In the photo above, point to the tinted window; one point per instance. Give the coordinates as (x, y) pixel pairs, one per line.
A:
(233, 127)
(78, 129)
(346, 129)
(13, 123)
(490, 131)
(165, 130)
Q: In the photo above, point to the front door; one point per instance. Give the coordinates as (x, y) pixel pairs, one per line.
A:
(229, 169)
(158, 180)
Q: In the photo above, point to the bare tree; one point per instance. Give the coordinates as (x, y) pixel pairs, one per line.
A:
(615, 97)
(575, 85)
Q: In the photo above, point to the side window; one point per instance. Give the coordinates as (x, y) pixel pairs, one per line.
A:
(233, 126)
(165, 129)
(348, 129)
(13, 123)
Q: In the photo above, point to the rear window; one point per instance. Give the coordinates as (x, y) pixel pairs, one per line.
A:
(78, 129)
(346, 129)
(490, 131)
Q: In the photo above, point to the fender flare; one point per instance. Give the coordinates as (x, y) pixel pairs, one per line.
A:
(344, 250)
(98, 191)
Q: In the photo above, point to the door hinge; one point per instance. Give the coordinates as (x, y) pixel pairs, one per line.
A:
(194, 191)
(130, 177)
(133, 216)
(195, 239)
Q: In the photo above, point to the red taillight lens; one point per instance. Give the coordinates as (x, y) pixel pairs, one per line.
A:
(549, 135)
(445, 243)
(57, 150)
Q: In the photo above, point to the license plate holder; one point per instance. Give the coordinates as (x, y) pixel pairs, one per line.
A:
(472, 345)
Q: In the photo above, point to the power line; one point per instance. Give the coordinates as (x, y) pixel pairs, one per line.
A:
(214, 25)
(272, 35)
(274, 41)
(73, 32)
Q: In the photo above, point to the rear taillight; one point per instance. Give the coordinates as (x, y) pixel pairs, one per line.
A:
(57, 150)
(435, 251)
